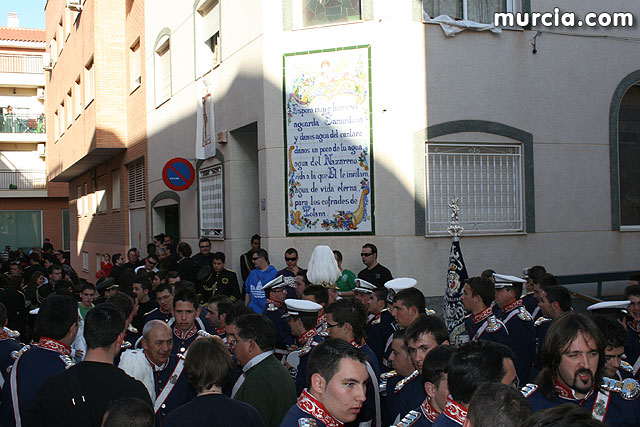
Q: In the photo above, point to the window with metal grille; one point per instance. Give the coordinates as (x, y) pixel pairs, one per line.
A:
(486, 178)
(137, 193)
(211, 203)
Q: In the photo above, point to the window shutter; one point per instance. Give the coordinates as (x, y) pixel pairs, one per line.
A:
(137, 194)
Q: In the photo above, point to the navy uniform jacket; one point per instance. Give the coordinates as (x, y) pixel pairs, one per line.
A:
(182, 340)
(522, 337)
(624, 371)
(541, 326)
(402, 395)
(311, 339)
(291, 288)
(368, 410)
(274, 310)
(618, 411)
(485, 326)
(530, 303)
(379, 330)
(181, 393)
(308, 408)
(454, 415)
(157, 314)
(213, 410)
(36, 364)
(7, 345)
(224, 282)
(423, 416)
(632, 350)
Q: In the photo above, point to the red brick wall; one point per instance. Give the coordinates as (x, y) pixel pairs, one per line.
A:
(51, 214)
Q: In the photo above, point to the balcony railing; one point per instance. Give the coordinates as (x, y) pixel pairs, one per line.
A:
(28, 64)
(22, 123)
(23, 180)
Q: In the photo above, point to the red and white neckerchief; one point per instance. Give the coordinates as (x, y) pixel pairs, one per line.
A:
(4, 335)
(455, 411)
(309, 404)
(185, 335)
(321, 320)
(355, 344)
(567, 393)
(220, 331)
(302, 339)
(274, 302)
(51, 344)
(633, 325)
(482, 315)
(429, 411)
(155, 367)
(511, 306)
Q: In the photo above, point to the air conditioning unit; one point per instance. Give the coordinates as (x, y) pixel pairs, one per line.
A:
(75, 5)
(46, 62)
(40, 93)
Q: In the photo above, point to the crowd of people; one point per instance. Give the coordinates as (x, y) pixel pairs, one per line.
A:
(178, 339)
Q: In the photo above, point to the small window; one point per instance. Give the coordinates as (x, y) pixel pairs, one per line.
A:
(85, 261)
(629, 158)
(79, 200)
(78, 98)
(473, 10)
(211, 203)
(115, 189)
(53, 50)
(60, 35)
(209, 12)
(309, 13)
(63, 118)
(137, 192)
(487, 178)
(67, 23)
(101, 194)
(66, 234)
(56, 125)
(85, 200)
(135, 67)
(163, 70)
(89, 83)
(69, 116)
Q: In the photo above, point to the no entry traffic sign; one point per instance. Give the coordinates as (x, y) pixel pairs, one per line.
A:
(178, 174)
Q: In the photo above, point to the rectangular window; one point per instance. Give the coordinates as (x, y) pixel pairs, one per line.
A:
(309, 13)
(21, 229)
(69, 117)
(53, 50)
(163, 71)
(79, 200)
(115, 189)
(78, 98)
(66, 234)
(486, 178)
(85, 200)
(473, 10)
(85, 261)
(101, 194)
(135, 67)
(56, 125)
(137, 192)
(211, 203)
(63, 118)
(210, 13)
(60, 35)
(89, 83)
(67, 23)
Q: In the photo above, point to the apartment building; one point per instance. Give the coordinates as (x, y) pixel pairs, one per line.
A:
(95, 108)
(31, 209)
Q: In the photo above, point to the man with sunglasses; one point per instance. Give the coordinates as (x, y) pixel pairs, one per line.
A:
(291, 270)
(276, 293)
(149, 264)
(374, 272)
(262, 274)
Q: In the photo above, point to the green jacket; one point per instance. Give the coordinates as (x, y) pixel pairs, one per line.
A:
(269, 388)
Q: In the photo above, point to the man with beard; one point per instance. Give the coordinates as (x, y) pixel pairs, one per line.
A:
(632, 349)
(573, 367)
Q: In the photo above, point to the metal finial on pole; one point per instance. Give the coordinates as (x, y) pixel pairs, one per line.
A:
(455, 229)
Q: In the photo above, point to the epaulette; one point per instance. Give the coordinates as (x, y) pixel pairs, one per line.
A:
(626, 366)
(307, 422)
(409, 419)
(524, 314)
(132, 329)
(540, 320)
(384, 379)
(230, 270)
(628, 388)
(324, 333)
(11, 333)
(272, 307)
(405, 381)
(17, 353)
(493, 325)
(146, 314)
(376, 321)
(528, 390)
(66, 360)
(307, 347)
(429, 312)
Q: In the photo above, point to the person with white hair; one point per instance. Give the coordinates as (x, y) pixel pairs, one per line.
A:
(323, 270)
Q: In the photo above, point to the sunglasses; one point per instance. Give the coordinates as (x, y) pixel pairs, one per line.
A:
(254, 258)
(290, 259)
(365, 254)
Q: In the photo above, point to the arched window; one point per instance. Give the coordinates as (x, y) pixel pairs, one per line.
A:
(629, 157)
(162, 67)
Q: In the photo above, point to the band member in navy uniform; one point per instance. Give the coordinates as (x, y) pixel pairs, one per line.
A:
(8, 344)
(161, 372)
(572, 360)
(164, 298)
(346, 320)
(434, 378)
(381, 324)
(216, 313)
(338, 375)
(57, 325)
(276, 292)
(187, 321)
(616, 338)
(215, 279)
(530, 301)
(482, 324)
(632, 349)
(319, 295)
(519, 323)
(403, 391)
(472, 364)
(208, 366)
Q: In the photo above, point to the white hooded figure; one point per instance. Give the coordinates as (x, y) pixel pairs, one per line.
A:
(323, 268)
